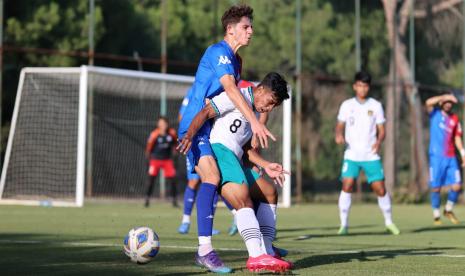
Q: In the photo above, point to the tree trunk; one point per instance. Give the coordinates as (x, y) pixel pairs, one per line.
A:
(404, 73)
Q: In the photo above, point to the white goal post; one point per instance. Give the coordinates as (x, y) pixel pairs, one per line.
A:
(80, 132)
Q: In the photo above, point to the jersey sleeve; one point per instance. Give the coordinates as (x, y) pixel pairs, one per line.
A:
(342, 115)
(380, 119)
(219, 61)
(222, 104)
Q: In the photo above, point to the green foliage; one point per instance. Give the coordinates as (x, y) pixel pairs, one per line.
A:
(60, 25)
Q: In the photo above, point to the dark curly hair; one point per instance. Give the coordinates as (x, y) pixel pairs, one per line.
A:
(234, 14)
(278, 85)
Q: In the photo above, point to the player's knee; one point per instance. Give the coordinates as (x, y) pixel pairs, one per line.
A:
(348, 188)
(272, 196)
(457, 188)
(381, 191)
(243, 203)
(435, 190)
(211, 178)
(193, 183)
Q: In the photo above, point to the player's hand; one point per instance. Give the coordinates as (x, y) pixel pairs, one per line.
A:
(340, 139)
(262, 133)
(463, 164)
(184, 145)
(375, 148)
(254, 143)
(276, 172)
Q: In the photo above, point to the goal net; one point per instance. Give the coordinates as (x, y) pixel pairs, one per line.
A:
(81, 132)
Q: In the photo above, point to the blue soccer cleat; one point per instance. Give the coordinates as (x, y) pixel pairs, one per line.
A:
(212, 262)
(280, 252)
(184, 228)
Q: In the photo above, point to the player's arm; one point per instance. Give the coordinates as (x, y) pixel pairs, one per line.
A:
(259, 129)
(433, 101)
(339, 133)
(273, 170)
(262, 119)
(380, 135)
(459, 144)
(206, 113)
(150, 143)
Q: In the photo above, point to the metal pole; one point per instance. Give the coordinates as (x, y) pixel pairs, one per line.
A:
(90, 104)
(163, 84)
(463, 60)
(298, 100)
(91, 31)
(413, 159)
(358, 63)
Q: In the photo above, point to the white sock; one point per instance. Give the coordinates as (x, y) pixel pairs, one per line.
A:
(266, 216)
(449, 206)
(205, 245)
(186, 219)
(436, 213)
(345, 200)
(384, 203)
(248, 227)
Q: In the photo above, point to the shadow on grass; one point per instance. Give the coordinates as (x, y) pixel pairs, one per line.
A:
(335, 228)
(365, 256)
(333, 234)
(439, 228)
(40, 254)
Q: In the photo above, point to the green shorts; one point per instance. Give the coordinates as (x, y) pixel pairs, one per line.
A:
(231, 169)
(373, 170)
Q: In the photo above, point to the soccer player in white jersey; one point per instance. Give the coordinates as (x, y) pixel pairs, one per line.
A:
(360, 127)
(231, 133)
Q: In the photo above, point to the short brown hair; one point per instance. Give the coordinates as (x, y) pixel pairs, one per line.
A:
(234, 14)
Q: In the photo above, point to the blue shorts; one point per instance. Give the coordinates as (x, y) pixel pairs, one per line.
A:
(443, 171)
(189, 169)
(200, 146)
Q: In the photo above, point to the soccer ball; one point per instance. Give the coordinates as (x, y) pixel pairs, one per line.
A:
(141, 245)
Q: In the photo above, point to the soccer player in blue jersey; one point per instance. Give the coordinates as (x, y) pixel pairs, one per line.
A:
(241, 186)
(193, 181)
(445, 135)
(218, 70)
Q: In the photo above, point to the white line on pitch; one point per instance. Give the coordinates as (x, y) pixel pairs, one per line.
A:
(368, 253)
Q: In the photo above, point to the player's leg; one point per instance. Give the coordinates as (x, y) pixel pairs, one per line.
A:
(265, 197)
(202, 154)
(235, 190)
(350, 172)
(215, 204)
(375, 176)
(209, 175)
(453, 180)
(233, 228)
(437, 178)
(152, 173)
(189, 199)
(249, 229)
(170, 177)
